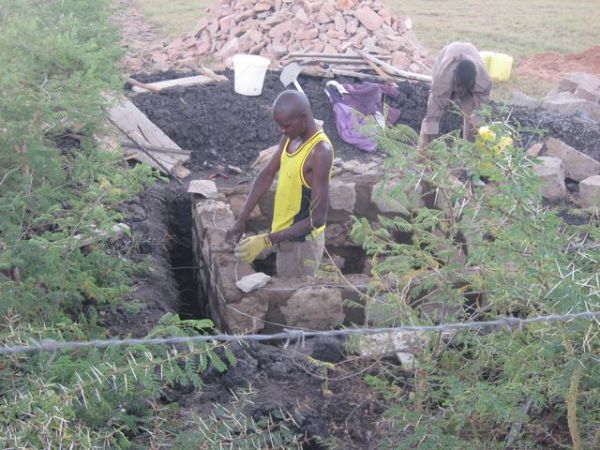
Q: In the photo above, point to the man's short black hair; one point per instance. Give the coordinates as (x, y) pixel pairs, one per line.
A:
(465, 74)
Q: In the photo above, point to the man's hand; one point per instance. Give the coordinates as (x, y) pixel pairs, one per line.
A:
(252, 246)
(235, 232)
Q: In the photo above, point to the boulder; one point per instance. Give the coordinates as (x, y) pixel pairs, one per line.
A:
(577, 166)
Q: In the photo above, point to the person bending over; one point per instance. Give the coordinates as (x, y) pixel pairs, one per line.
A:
(460, 77)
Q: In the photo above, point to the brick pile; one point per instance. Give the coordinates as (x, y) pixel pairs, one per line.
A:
(275, 28)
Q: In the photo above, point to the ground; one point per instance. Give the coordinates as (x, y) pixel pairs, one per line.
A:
(275, 377)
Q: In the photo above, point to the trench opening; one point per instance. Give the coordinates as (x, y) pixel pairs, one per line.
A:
(184, 266)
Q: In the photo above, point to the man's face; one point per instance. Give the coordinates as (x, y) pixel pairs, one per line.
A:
(291, 124)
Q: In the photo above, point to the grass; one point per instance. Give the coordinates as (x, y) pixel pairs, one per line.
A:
(517, 27)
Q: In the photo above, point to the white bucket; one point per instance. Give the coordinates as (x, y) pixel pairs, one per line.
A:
(249, 72)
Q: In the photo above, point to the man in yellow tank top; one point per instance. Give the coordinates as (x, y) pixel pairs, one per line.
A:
(304, 161)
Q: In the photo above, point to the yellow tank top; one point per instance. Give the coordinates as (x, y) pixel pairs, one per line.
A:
(292, 197)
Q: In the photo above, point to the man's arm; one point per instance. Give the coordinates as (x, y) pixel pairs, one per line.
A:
(261, 185)
(320, 163)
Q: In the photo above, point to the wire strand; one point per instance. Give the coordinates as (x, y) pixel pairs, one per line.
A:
(289, 335)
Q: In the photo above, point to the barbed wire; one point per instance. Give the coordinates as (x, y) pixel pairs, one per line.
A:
(294, 335)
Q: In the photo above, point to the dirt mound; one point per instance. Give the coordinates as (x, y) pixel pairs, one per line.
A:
(221, 126)
(275, 28)
(552, 66)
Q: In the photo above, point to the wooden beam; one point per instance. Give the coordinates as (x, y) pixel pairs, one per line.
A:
(181, 82)
(143, 132)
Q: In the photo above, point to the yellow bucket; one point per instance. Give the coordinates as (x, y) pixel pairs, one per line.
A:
(498, 65)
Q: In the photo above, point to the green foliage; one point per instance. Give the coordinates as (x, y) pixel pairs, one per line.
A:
(58, 196)
(91, 397)
(484, 252)
(232, 428)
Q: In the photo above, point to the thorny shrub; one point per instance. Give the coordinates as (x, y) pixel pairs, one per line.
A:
(481, 253)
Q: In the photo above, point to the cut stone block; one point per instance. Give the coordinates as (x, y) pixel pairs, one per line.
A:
(314, 307)
(535, 150)
(342, 196)
(577, 166)
(550, 170)
(382, 196)
(206, 188)
(253, 281)
(589, 192)
(246, 316)
(404, 344)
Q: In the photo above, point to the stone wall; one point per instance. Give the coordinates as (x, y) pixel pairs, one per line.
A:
(319, 303)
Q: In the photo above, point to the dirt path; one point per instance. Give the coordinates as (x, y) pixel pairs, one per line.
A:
(139, 36)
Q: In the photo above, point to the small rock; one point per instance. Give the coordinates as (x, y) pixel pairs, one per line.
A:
(252, 282)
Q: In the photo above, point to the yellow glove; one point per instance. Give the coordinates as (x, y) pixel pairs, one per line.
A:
(252, 246)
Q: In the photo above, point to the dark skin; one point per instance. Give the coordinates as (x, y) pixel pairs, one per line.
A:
(292, 114)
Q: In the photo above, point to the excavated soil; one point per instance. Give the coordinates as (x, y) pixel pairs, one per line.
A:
(551, 66)
(222, 127)
(219, 125)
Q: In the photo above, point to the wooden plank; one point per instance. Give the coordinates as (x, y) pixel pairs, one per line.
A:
(142, 131)
(393, 70)
(181, 82)
(331, 56)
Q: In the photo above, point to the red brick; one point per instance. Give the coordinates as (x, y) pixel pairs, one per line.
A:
(368, 18)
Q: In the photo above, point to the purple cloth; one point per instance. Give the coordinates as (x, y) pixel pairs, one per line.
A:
(355, 112)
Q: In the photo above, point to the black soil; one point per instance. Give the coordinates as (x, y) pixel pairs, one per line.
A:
(222, 127)
(219, 125)
(345, 410)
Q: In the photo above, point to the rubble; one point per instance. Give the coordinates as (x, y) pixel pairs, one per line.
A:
(275, 28)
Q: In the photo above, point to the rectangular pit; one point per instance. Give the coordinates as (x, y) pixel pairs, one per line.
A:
(317, 303)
